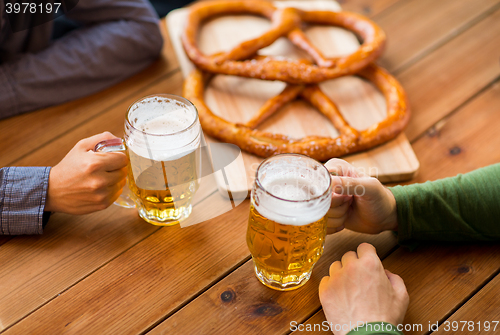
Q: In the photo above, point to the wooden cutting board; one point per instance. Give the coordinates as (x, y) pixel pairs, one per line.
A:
(237, 99)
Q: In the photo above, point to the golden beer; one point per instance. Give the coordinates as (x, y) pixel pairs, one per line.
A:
(164, 188)
(282, 253)
(162, 141)
(287, 222)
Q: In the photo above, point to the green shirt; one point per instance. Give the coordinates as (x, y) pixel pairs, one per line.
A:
(464, 208)
(378, 328)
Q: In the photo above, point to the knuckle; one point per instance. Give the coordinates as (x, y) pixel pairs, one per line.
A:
(371, 262)
(92, 166)
(122, 183)
(334, 265)
(103, 201)
(102, 206)
(97, 184)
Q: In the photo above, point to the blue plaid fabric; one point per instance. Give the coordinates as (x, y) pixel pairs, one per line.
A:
(23, 191)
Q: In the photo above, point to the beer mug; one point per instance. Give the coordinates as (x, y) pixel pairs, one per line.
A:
(162, 141)
(287, 224)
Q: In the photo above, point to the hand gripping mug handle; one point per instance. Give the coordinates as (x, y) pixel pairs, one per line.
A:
(117, 145)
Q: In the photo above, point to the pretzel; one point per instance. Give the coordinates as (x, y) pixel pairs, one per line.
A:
(286, 22)
(265, 144)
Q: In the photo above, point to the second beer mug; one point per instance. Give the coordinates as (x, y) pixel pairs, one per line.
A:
(162, 141)
(287, 225)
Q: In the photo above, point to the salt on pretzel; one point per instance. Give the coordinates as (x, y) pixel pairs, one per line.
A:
(286, 22)
(266, 144)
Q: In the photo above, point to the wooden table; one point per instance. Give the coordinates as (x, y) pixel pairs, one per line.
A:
(112, 273)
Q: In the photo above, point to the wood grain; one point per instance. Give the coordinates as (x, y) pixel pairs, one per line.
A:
(444, 274)
(366, 7)
(482, 307)
(410, 36)
(35, 269)
(240, 304)
(26, 133)
(119, 291)
(147, 282)
(463, 141)
(238, 99)
(448, 77)
(370, 8)
(468, 130)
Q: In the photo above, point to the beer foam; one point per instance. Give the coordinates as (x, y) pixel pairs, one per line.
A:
(292, 211)
(165, 124)
(292, 190)
(168, 129)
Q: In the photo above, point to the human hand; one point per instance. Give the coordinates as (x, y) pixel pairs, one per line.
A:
(360, 203)
(360, 290)
(86, 181)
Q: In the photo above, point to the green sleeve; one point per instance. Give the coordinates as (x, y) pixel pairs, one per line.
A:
(461, 208)
(375, 328)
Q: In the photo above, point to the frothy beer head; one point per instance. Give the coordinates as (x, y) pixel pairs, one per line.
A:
(292, 190)
(162, 128)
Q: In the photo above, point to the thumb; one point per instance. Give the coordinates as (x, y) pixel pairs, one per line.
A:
(90, 142)
(397, 283)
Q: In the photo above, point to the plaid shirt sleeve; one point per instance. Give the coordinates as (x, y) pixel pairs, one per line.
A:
(23, 192)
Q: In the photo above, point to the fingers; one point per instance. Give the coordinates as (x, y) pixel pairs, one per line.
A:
(323, 285)
(116, 177)
(118, 191)
(349, 257)
(340, 167)
(397, 283)
(339, 211)
(347, 186)
(339, 199)
(111, 161)
(333, 230)
(334, 225)
(90, 142)
(366, 249)
(335, 267)
(336, 218)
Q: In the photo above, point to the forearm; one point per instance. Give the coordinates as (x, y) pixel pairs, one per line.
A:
(120, 38)
(461, 208)
(23, 192)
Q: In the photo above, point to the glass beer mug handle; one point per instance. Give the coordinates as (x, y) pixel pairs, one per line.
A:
(114, 145)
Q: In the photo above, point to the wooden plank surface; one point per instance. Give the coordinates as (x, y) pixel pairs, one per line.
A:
(454, 73)
(482, 309)
(72, 263)
(253, 308)
(444, 274)
(147, 282)
(100, 296)
(457, 145)
(35, 269)
(367, 7)
(464, 141)
(416, 27)
(238, 99)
